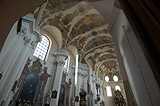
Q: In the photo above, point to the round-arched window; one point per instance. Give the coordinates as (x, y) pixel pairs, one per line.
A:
(115, 78)
(117, 88)
(42, 48)
(106, 78)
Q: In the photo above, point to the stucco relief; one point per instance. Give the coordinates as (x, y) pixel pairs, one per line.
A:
(97, 42)
(104, 60)
(56, 22)
(81, 41)
(107, 56)
(54, 6)
(79, 10)
(57, 5)
(44, 16)
(87, 23)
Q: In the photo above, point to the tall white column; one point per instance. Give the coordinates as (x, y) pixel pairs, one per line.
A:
(60, 58)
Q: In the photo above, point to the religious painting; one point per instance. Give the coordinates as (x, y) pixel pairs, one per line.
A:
(28, 91)
(31, 85)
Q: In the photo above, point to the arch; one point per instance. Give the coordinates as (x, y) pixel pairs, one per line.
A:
(55, 33)
(73, 50)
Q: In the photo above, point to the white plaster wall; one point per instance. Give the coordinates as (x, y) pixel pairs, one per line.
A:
(6, 58)
(140, 76)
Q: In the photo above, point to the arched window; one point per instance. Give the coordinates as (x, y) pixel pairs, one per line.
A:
(115, 78)
(117, 88)
(42, 48)
(106, 78)
(109, 91)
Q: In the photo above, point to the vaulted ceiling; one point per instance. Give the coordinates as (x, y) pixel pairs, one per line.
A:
(85, 28)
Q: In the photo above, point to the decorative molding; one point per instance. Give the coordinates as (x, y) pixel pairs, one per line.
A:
(31, 28)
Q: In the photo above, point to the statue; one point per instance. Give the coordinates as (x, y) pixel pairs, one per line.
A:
(41, 86)
(83, 94)
(119, 100)
(24, 72)
(67, 88)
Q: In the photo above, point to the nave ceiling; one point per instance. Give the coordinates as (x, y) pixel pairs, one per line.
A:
(85, 28)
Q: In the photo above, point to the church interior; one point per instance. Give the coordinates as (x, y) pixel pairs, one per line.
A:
(80, 53)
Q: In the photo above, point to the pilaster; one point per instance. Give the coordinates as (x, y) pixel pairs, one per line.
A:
(61, 56)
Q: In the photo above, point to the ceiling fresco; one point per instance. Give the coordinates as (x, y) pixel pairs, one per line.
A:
(85, 28)
(89, 22)
(84, 42)
(59, 5)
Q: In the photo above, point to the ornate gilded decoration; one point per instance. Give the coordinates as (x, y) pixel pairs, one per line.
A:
(45, 15)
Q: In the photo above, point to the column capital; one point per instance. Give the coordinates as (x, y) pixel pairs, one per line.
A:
(83, 66)
(59, 63)
(61, 55)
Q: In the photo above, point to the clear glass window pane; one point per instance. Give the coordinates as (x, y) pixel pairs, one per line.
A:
(42, 48)
(117, 88)
(106, 78)
(115, 78)
(66, 64)
(109, 91)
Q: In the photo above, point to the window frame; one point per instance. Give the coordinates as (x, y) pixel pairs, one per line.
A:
(38, 49)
